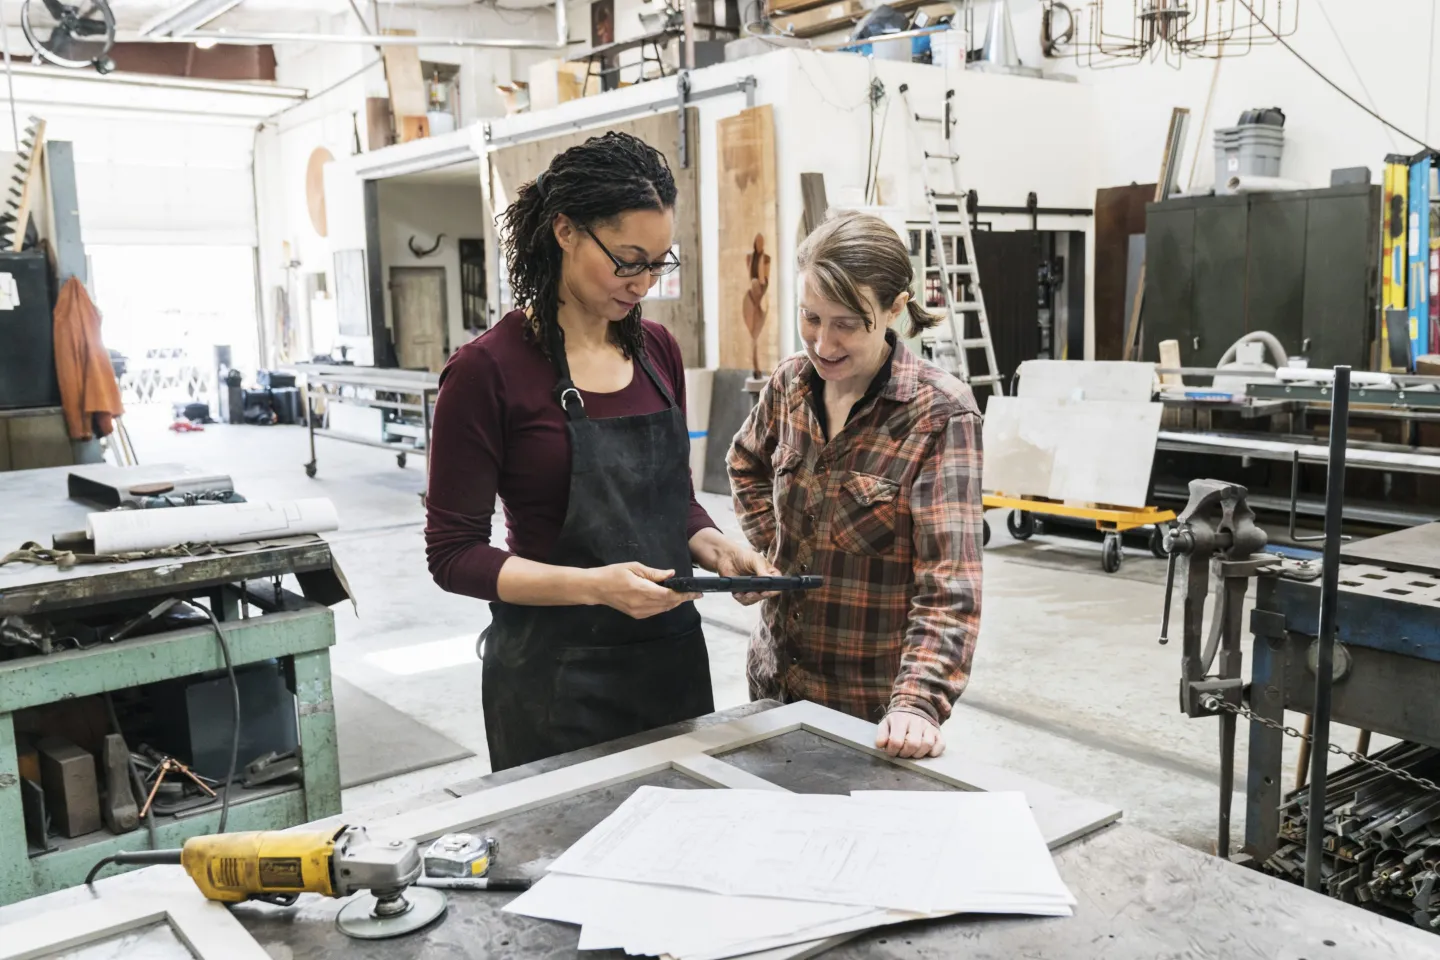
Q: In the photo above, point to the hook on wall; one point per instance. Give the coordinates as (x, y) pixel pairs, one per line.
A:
(421, 252)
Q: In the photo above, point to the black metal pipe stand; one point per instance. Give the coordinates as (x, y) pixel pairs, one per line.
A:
(1324, 665)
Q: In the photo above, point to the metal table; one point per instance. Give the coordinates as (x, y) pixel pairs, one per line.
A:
(338, 383)
(1140, 896)
(295, 630)
(1387, 652)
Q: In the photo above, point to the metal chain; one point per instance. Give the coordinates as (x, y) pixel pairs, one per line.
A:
(1212, 702)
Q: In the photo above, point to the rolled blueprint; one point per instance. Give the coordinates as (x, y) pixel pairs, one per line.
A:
(124, 531)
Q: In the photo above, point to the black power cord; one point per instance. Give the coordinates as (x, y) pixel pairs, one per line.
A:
(153, 856)
(234, 714)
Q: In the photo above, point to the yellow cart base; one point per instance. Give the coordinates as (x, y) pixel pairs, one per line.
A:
(1111, 520)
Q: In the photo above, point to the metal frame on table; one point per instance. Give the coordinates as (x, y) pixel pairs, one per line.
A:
(207, 929)
(1062, 817)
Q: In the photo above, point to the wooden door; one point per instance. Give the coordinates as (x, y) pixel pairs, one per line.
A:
(417, 300)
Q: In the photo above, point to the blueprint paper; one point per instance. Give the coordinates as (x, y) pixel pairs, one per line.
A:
(121, 531)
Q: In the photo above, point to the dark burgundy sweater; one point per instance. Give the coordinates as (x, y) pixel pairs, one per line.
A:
(499, 430)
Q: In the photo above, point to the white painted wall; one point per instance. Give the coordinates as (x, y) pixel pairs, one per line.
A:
(1385, 47)
(822, 124)
(339, 78)
(424, 210)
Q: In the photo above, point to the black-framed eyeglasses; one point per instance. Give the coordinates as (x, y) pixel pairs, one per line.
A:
(623, 268)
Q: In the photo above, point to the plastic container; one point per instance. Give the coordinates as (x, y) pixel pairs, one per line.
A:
(1249, 150)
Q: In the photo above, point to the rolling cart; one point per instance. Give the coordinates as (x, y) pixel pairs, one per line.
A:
(1112, 521)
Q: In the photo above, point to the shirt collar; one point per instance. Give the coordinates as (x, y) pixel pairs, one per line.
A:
(897, 379)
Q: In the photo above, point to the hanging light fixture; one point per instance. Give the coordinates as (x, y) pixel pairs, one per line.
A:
(1103, 33)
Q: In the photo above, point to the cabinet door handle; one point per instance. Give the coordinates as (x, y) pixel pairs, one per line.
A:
(1196, 343)
(1305, 345)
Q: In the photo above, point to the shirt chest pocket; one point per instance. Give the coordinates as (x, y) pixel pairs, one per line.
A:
(867, 515)
(789, 493)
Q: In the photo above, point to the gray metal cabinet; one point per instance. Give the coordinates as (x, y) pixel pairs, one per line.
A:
(1275, 269)
(1169, 254)
(1342, 267)
(1302, 265)
(1218, 318)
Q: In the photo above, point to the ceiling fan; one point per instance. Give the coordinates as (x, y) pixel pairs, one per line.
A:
(69, 35)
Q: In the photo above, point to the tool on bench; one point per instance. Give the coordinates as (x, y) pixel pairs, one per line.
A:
(461, 861)
(276, 866)
(460, 855)
(496, 884)
(742, 584)
(167, 765)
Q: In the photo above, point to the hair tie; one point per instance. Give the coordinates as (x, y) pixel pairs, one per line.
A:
(540, 183)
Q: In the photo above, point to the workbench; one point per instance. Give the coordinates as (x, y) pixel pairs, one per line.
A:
(1387, 647)
(1140, 896)
(296, 631)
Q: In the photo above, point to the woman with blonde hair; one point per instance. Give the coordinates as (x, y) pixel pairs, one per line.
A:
(861, 463)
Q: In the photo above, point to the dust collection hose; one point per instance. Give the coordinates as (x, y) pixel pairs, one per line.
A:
(134, 858)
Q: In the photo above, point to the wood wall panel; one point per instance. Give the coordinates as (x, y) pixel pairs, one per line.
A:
(1119, 214)
(749, 325)
(517, 165)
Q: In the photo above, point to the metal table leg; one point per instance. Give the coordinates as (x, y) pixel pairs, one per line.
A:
(316, 703)
(15, 877)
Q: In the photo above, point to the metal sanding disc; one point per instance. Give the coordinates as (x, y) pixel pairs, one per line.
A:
(357, 918)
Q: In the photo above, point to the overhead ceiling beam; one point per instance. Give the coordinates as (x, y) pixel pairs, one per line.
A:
(184, 17)
(250, 37)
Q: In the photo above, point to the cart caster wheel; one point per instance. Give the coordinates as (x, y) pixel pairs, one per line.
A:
(985, 541)
(1157, 542)
(1021, 524)
(400, 459)
(310, 470)
(1111, 555)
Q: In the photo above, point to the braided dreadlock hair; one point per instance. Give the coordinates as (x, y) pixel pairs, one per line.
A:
(592, 183)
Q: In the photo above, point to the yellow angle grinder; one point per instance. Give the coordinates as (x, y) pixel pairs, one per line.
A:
(276, 866)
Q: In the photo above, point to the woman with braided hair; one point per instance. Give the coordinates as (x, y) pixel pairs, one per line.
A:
(572, 410)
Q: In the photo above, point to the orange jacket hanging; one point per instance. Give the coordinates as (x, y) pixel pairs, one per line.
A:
(89, 393)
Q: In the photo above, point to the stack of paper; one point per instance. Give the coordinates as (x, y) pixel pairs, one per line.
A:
(709, 874)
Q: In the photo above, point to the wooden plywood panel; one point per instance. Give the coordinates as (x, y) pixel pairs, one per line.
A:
(682, 316)
(407, 88)
(1090, 451)
(1119, 215)
(749, 326)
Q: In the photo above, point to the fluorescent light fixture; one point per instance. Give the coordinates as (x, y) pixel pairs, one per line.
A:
(186, 16)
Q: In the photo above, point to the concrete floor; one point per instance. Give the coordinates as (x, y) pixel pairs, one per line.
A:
(1069, 685)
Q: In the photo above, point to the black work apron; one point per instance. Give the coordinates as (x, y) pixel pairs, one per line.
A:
(557, 679)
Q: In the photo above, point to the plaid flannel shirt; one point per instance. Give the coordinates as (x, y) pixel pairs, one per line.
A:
(889, 512)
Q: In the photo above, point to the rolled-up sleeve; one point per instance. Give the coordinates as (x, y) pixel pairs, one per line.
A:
(752, 476)
(947, 526)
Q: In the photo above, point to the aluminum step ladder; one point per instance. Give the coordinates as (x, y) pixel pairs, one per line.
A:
(959, 282)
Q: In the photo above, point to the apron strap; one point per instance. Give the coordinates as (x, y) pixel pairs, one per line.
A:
(655, 377)
(566, 393)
